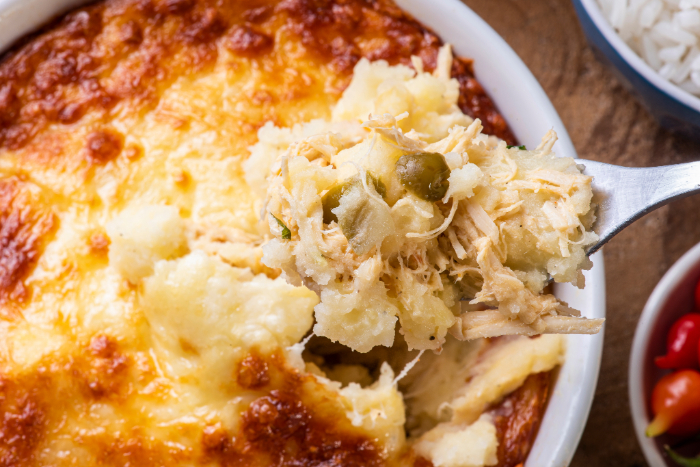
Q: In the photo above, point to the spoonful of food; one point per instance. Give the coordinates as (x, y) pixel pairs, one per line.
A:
(459, 234)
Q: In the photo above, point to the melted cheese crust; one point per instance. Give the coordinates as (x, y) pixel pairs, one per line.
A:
(129, 103)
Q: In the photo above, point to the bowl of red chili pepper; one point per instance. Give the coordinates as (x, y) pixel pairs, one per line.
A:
(664, 377)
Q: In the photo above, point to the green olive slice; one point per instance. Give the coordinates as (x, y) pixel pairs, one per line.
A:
(331, 199)
(425, 175)
(378, 184)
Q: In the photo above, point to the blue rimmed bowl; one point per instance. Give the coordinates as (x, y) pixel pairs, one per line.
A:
(674, 108)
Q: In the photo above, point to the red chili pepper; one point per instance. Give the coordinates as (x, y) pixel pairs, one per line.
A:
(682, 343)
(675, 403)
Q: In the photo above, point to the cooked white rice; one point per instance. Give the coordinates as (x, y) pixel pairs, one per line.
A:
(665, 33)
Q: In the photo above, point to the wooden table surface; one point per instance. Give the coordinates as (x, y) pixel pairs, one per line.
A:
(607, 124)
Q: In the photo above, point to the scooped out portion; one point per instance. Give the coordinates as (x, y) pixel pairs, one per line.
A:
(413, 216)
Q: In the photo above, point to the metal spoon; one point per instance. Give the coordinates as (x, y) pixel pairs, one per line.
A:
(624, 194)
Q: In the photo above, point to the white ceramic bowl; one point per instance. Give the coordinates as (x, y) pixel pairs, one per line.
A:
(672, 298)
(530, 114)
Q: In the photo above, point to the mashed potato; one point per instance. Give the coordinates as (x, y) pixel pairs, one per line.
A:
(415, 212)
(205, 315)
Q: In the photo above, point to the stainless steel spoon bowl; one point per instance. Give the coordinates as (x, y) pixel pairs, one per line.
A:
(624, 194)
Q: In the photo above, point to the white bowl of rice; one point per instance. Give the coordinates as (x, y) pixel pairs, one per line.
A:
(654, 48)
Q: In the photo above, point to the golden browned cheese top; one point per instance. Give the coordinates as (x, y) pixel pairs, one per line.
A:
(131, 50)
(133, 102)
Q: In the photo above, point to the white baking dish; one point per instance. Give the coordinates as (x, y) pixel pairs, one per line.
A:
(527, 109)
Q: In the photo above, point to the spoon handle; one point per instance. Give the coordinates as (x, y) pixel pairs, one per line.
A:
(624, 194)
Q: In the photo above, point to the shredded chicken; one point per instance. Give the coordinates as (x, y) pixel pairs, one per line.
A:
(378, 250)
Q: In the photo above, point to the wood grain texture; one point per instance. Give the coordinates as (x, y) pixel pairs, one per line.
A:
(607, 124)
